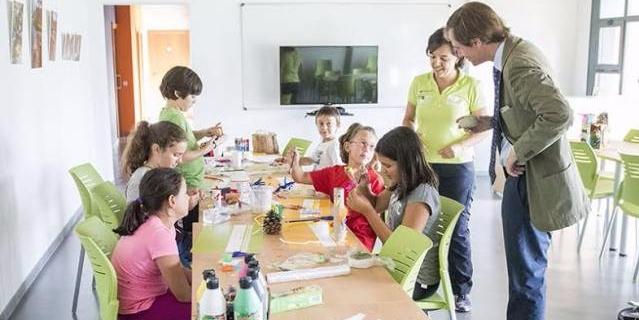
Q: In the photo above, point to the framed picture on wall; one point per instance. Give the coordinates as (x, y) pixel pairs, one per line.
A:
(35, 7)
(15, 12)
(52, 33)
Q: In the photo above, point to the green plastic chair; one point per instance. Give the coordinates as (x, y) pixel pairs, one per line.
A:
(632, 136)
(450, 212)
(98, 241)
(407, 248)
(596, 184)
(110, 203)
(85, 177)
(626, 198)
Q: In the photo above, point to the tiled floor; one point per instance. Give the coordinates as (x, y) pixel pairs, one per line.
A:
(579, 286)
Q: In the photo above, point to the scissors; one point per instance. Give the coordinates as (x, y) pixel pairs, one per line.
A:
(258, 182)
(285, 185)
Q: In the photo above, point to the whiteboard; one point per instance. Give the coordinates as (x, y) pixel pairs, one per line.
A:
(400, 30)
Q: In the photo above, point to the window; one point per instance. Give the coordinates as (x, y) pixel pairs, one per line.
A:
(614, 38)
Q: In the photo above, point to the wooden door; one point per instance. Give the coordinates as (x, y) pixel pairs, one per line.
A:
(167, 48)
(124, 70)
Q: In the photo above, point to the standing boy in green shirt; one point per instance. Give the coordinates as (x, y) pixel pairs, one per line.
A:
(180, 86)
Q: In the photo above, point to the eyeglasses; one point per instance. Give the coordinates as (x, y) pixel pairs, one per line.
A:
(364, 144)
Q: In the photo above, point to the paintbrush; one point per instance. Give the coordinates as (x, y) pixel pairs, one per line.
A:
(314, 219)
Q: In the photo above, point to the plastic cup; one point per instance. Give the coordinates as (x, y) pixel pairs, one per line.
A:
(263, 198)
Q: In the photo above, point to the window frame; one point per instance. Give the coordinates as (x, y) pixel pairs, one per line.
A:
(596, 24)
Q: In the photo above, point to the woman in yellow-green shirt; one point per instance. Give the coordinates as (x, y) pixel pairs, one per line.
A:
(435, 101)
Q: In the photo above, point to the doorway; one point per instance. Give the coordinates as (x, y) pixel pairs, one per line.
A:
(142, 43)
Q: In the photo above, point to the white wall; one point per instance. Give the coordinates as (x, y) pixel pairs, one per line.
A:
(559, 28)
(52, 119)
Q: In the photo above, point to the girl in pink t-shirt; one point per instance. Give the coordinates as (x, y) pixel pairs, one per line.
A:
(357, 147)
(152, 284)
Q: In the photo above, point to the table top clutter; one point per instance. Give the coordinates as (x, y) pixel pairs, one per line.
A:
(371, 291)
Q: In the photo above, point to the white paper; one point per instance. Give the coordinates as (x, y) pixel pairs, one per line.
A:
(320, 229)
(307, 274)
(239, 238)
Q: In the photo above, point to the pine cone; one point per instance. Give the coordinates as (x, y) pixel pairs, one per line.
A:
(272, 223)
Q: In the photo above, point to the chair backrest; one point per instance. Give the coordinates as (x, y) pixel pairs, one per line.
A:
(632, 136)
(301, 145)
(98, 241)
(109, 202)
(629, 191)
(407, 248)
(450, 212)
(586, 161)
(85, 178)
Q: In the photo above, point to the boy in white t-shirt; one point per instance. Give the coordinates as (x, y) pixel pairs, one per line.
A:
(326, 154)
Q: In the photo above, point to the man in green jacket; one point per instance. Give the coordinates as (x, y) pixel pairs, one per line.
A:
(542, 191)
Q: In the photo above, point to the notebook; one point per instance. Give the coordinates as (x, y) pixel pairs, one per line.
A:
(301, 145)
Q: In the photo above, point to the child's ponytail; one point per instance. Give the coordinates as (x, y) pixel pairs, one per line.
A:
(134, 216)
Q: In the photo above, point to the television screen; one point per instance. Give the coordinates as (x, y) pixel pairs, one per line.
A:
(328, 75)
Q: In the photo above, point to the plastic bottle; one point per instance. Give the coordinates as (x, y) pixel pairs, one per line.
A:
(212, 305)
(246, 305)
(255, 265)
(339, 226)
(247, 259)
(260, 289)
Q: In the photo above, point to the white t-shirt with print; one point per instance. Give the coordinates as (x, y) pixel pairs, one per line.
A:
(326, 154)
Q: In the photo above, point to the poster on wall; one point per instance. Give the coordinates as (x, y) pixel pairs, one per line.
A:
(15, 12)
(77, 42)
(66, 42)
(71, 46)
(35, 7)
(52, 33)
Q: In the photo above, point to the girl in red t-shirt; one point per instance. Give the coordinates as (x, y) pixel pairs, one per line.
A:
(357, 149)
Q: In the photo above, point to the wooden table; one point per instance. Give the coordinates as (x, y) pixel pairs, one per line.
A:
(372, 291)
(611, 152)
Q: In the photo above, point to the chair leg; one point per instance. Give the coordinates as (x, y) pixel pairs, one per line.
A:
(611, 225)
(598, 207)
(451, 312)
(583, 231)
(578, 229)
(606, 216)
(634, 277)
(78, 279)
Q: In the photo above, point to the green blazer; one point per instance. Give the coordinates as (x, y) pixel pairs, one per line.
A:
(535, 116)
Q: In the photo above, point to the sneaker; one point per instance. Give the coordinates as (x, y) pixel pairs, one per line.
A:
(462, 303)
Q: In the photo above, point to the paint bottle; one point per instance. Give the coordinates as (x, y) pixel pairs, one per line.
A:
(246, 305)
(212, 305)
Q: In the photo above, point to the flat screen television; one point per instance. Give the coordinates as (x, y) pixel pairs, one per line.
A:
(328, 75)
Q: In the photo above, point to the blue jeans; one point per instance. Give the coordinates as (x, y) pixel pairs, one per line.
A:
(457, 181)
(526, 258)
